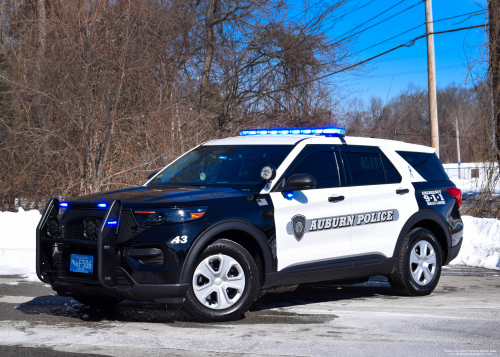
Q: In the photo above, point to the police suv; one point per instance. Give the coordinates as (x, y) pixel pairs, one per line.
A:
(270, 208)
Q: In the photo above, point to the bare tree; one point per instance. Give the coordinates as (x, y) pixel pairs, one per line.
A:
(97, 93)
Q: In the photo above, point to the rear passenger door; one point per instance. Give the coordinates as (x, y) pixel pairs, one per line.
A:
(382, 201)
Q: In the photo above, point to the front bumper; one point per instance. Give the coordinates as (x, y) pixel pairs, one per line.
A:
(108, 278)
(159, 293)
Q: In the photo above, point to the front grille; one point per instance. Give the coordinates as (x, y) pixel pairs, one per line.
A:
(74, 220)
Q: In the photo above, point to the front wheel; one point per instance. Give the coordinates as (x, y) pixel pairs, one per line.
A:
(224, 282)
(419, 264)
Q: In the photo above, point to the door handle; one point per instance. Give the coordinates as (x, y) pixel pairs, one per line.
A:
(402, 191)
(335, 198)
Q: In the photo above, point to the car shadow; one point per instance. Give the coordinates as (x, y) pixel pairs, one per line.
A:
(376, 287)
(268, 309)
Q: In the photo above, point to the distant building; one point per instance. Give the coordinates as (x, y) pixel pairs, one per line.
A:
(468, 171)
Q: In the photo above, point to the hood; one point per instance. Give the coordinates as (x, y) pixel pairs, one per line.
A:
(162, 194)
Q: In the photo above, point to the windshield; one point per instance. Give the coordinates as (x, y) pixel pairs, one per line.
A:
(233, 166)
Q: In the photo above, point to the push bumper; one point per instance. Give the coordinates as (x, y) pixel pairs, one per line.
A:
(109, 280)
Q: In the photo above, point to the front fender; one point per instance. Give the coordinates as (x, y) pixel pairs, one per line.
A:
(234, 224)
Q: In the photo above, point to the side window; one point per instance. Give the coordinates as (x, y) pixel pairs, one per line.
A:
(391, 174)
(323, 166)
(366, 168)
(426, 164)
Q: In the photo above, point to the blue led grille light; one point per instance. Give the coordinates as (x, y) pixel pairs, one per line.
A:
(102, 205)
(63, 204)
(112, 223)
(308, 131)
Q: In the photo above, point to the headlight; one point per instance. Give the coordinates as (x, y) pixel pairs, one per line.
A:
(169, 215)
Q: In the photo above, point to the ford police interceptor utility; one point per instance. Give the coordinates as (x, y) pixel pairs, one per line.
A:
(266, 209)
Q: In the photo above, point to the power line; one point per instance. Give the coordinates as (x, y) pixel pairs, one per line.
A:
(479, 12)
(414, 28)
(473, 13)
(378, 23)
(415, 56)
(373, 18)
(335, 42)
(345, 15)
(377, 44)
(358, 8)
(407, 44)
(402, 33)
(408, 72)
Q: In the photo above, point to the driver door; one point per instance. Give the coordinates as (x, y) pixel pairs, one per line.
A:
(314, 226)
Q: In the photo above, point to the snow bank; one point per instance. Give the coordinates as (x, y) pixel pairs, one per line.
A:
(18, 243)
(481, 243)
(480, 248)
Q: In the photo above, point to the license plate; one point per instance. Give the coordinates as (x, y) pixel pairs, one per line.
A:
(81, 263)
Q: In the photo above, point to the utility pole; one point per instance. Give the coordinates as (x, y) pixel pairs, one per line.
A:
(494, 68)
(458, 148)
(431, 69)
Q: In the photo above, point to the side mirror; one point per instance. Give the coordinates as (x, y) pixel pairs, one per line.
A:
(298, 182)
(151, 175)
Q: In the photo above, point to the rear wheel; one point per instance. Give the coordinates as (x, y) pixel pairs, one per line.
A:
(419, 264)
(224, 282)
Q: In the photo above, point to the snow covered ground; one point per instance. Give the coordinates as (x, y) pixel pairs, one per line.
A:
(480, 248)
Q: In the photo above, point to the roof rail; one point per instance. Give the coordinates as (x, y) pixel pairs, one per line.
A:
(336, 135)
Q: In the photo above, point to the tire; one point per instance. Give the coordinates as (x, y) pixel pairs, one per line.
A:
(223, 283)
(97, 301)
(417, 272)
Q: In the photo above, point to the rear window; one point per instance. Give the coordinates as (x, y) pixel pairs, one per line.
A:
(427, 165)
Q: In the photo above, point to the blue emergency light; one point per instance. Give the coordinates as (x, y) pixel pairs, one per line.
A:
(308, 131)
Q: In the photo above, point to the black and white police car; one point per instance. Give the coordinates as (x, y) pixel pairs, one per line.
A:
(266, 209)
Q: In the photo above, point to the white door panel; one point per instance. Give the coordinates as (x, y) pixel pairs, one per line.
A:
(329, 238)
(381, 233)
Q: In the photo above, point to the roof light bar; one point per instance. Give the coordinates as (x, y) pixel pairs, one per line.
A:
(308, 131)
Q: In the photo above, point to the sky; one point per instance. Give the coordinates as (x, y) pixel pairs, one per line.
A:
(392, 72)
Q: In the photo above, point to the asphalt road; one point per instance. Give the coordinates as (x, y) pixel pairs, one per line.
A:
(461, 318)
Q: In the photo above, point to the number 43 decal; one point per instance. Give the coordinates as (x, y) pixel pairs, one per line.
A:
(179, 239)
